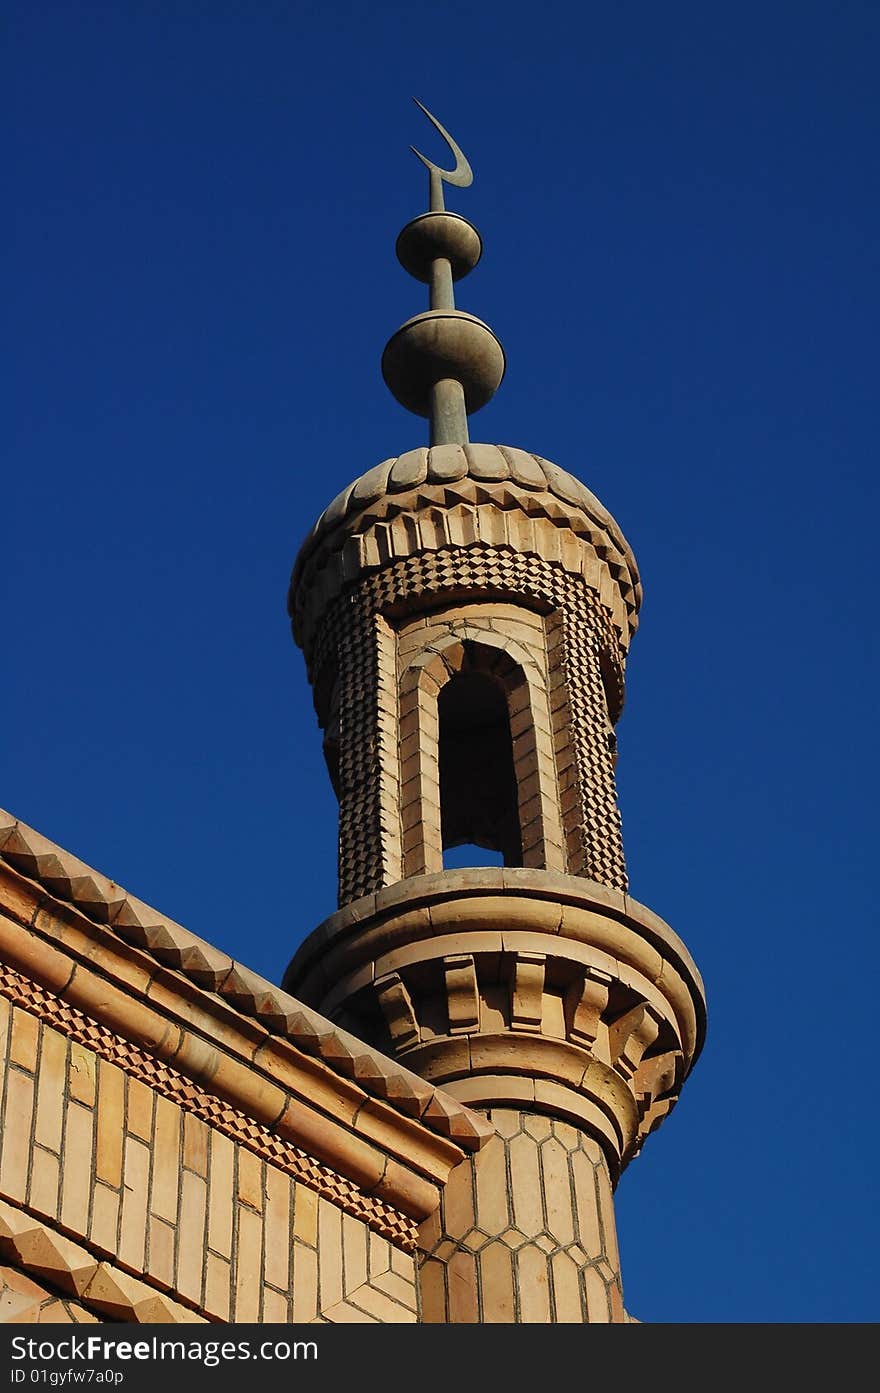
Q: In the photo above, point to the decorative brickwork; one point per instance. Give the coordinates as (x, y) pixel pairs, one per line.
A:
(360, 834)
(429, 499)
(77, 1078)
(525, 1231)
(345, 1274)
(522, 988)
(507, 643)
(40, 882)
(584, 670)
(181, 1141)
(465, 613)
(584, 751)
(171, 1199)
(24, 1301)
(41, 1254)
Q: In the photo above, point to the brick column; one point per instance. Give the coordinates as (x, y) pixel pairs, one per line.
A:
(525, 1231)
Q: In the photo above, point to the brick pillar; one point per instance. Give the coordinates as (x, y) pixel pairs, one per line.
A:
(525, 1231)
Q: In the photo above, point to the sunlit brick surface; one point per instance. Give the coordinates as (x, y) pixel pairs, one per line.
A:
(148, 1190)
(525, 1231)
(574, 667)
(24, 1301)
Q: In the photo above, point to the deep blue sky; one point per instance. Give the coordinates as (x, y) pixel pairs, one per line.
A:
(679, 210)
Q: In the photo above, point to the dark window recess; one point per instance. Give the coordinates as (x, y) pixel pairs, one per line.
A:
(479, 804)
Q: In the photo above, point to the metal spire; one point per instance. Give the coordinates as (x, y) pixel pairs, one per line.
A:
(444, 363)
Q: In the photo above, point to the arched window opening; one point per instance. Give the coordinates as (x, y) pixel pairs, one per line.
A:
(479, 805)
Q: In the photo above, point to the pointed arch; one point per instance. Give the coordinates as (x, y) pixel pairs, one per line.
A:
(494, 692)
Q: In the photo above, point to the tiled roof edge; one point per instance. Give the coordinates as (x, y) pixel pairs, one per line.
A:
(63, 876)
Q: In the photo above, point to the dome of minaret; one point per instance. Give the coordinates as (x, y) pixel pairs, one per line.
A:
(445, 477)
(449, 464)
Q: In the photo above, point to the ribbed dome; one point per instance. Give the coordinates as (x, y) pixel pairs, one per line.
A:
(447, 464)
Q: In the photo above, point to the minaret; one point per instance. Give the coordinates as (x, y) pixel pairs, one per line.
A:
(465, 613)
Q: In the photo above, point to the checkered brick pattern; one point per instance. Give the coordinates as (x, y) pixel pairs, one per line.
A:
(586, 661)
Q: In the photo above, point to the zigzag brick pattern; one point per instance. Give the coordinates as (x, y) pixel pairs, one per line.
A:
(136, 1199)
(161, 1079)
(103, 902)
(488, 494)
(26, 1302)
(50, 1269)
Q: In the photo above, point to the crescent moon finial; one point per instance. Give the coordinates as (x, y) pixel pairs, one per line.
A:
(461, 175)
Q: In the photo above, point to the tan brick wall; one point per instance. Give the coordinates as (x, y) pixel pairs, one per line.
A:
(525, 1232)
(133, 1175)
